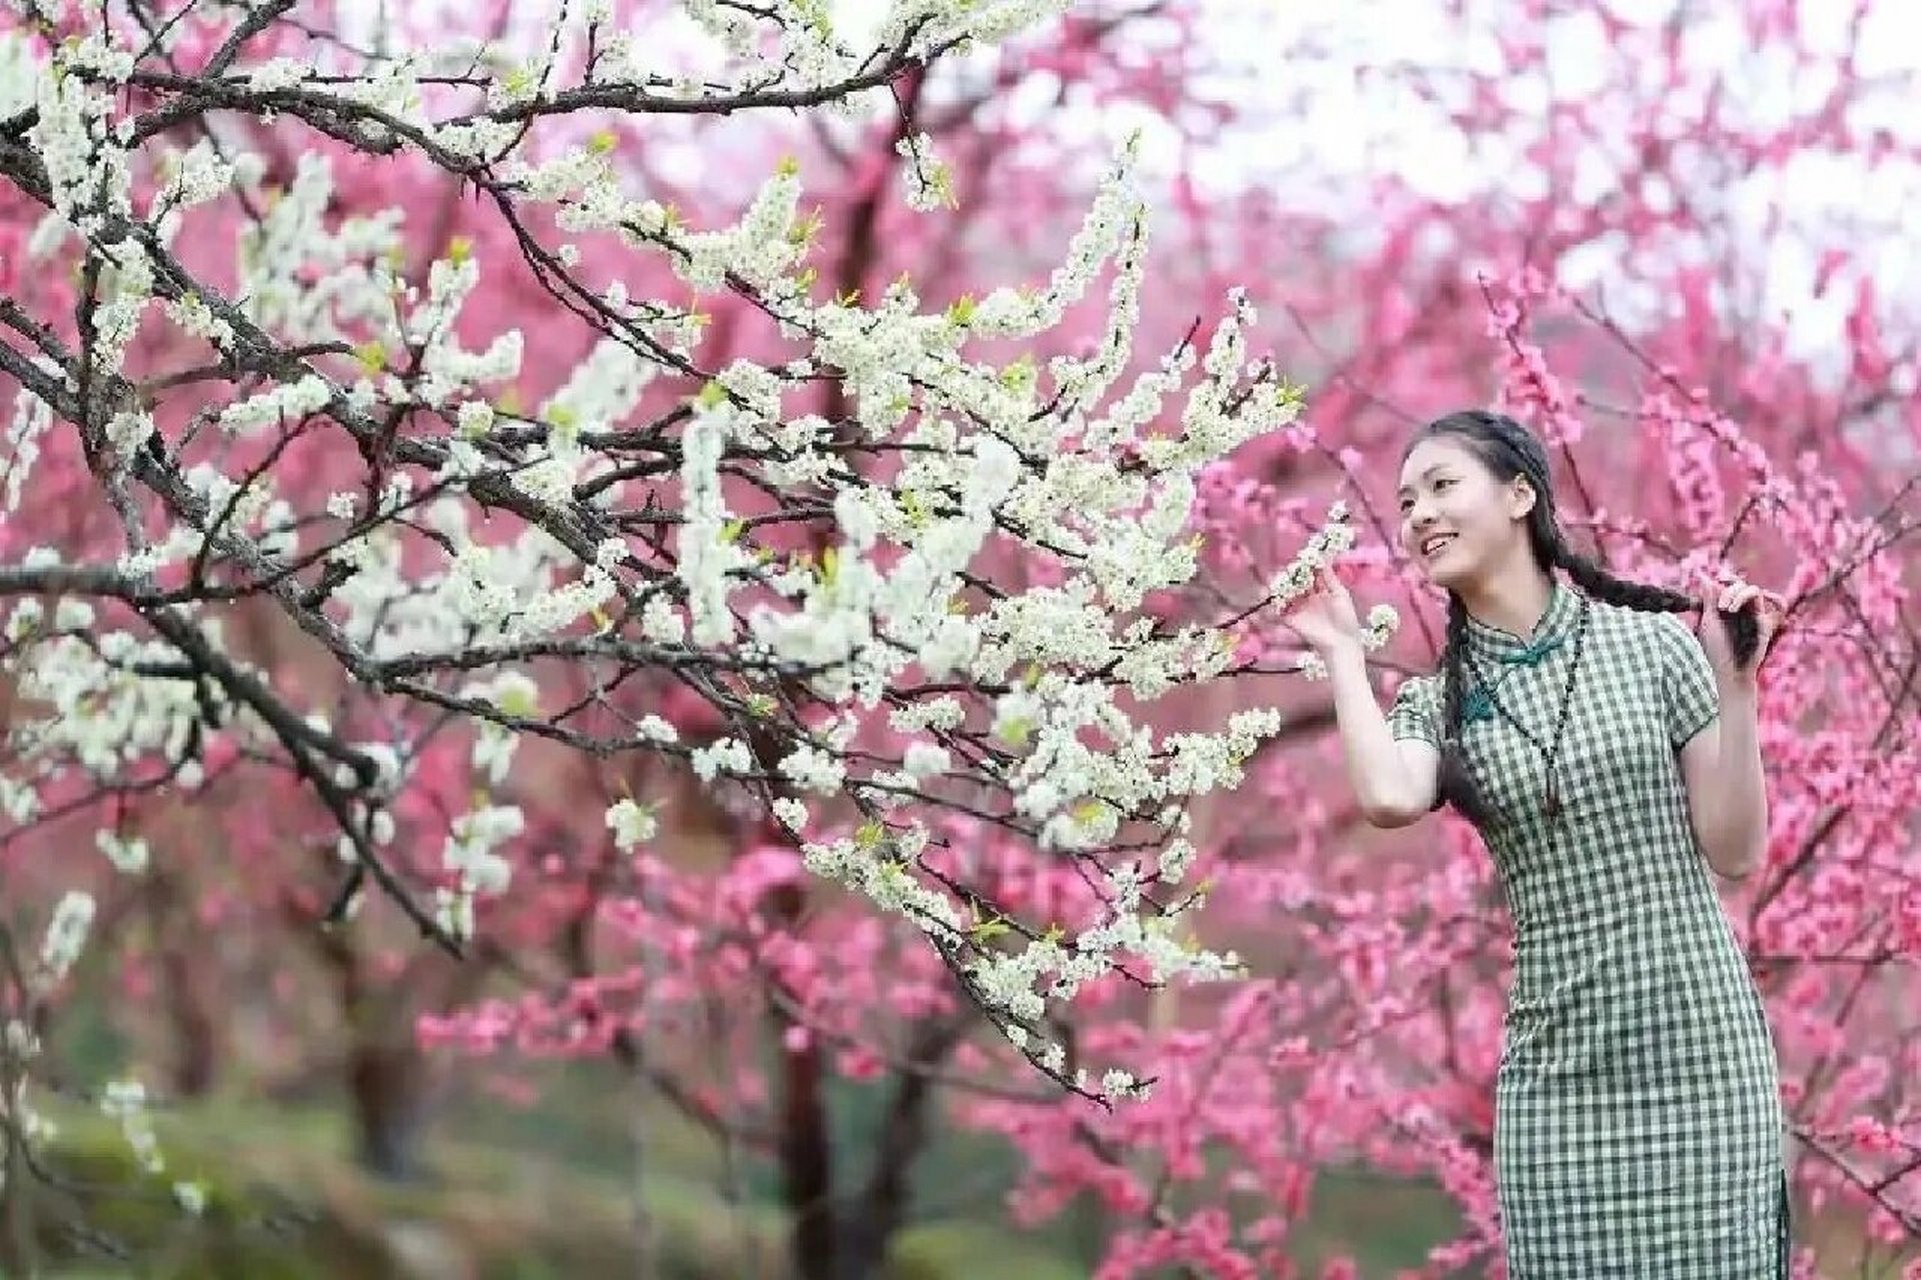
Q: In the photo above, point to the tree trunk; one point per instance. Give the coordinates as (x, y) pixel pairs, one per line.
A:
(196, 1059)
(806, 1161)
(196, 1056)
(18, 1254)
(804, 1139)
(387, 1081)
(883, 1207)
(386, 1075)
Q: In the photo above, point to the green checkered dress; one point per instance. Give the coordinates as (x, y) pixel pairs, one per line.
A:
(1638, 1126)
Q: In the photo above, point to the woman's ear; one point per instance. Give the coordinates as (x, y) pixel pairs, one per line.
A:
(1521, 497)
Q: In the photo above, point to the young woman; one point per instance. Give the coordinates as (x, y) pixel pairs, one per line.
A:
(1609, 759)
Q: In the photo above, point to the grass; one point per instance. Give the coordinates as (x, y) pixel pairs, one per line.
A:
(547, 1194)
(285, 1202)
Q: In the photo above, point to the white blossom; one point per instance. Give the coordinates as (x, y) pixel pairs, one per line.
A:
(126, 1101)
(924, 759)
(656, 730)
(729, 755)
(32, 418)
(191, 1197)
(277, 73)
(280, 403)
(814, 770)
(471, 850)
(198, 175)
(128, 854)
(66, 933)
(631, 824)
(930, 184)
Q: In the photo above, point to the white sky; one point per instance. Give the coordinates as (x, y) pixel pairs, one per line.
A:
(1310, 113)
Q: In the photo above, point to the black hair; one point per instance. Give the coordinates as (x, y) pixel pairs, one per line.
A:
(1507, 449)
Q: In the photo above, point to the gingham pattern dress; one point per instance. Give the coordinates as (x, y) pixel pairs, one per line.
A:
(1638, 1125)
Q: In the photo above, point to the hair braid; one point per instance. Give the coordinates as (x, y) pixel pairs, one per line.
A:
(1602, 585)
(1455, 784)
(1744, 629)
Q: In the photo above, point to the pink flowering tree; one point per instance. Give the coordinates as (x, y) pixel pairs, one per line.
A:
(1727, 385)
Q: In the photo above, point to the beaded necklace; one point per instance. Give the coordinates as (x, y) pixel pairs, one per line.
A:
(1531, 656)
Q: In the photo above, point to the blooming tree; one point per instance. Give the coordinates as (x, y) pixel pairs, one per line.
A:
(239, 408)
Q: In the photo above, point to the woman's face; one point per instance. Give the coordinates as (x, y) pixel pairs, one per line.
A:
(1458, 522)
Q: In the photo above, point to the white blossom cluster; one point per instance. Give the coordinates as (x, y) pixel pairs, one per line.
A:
(498, 592)
(92, 708)
(1319, 553)
(76, 135)
(794, 44)
(1070, 461)
(1297, 579)
(125, 1101)
(729, 755)
(471, 856)
(189, 178)
(32, 419)
(494, 743)
(632, 824)
(66, 934)
(936, 22)
(308, 279)
(276, 405)
(930, 183)
(127, 289)
(278, 73)
(19, 1046)
(128, 854)
(19, 74)
(864, 626)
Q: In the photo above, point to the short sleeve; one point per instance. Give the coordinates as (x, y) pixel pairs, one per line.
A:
(1416, 712)
(1688, 693)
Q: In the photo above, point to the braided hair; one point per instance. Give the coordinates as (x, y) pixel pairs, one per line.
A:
(1507, 450)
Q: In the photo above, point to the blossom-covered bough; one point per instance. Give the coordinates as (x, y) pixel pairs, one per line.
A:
(942, 598)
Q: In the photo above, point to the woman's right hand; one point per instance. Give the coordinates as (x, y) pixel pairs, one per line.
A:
(1325, 617)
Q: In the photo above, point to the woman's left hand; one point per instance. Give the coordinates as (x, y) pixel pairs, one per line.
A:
(1735, 596)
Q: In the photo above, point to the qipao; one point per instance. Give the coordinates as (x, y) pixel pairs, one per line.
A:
(1638, 1123)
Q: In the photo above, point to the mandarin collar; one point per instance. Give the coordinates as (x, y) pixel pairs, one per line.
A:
(1556, 621)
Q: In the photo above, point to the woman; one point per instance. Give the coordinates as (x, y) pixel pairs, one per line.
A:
(1610, 760)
